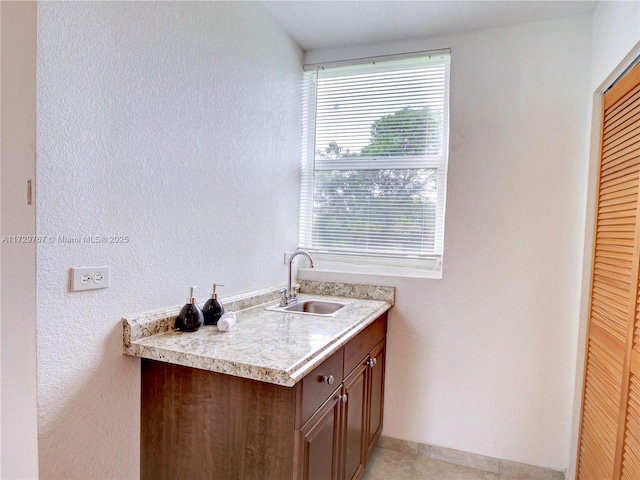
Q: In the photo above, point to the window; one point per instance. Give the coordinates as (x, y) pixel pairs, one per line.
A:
(375, 160)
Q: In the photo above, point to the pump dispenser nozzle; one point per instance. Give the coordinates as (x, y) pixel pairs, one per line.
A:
(192, 298)
(215, 285)
(213, 309)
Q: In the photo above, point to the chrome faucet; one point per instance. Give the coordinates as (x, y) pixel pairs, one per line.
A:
(289, 296)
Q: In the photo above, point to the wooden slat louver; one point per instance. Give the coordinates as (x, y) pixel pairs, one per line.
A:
(631, 436)
(631, 455)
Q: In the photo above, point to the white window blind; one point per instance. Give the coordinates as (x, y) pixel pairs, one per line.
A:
(375, 158)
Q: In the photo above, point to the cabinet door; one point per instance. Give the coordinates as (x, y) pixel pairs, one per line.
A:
(320, 456)
(376, 394)
(355, 422)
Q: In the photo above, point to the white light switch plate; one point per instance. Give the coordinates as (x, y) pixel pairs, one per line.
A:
(90, 278)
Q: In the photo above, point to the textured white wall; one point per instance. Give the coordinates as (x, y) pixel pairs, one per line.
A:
(177, 124)
(484, 360)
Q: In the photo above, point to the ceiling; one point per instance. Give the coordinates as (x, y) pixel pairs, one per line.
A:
(325, 24)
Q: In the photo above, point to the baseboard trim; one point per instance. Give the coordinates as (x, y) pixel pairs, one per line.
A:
(505, 468)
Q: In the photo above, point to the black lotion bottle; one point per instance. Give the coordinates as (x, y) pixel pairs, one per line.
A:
(213, 309)
(190, 317)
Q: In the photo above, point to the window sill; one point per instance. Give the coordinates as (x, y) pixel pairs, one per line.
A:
(323, 266)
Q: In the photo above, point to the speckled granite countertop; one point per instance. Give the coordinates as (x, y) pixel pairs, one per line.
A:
(269, 346)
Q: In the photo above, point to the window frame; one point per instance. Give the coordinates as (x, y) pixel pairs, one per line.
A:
(424, 265)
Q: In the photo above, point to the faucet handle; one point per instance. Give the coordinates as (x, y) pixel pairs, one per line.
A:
(294, 290)
(283, 297)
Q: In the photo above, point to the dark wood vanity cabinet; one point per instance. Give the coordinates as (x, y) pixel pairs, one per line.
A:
(198, 424)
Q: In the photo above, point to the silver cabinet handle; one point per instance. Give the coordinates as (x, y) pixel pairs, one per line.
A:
(328, 379)
(371, 362)
(343, 398)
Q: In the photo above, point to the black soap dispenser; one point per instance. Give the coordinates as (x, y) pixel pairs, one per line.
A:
(190, 317)
(213, 309)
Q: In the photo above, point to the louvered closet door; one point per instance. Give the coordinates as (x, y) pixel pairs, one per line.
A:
(609, 435)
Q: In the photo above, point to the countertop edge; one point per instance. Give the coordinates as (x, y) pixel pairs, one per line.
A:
(226, 367)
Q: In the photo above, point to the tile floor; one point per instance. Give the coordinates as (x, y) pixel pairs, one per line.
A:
(385, 464)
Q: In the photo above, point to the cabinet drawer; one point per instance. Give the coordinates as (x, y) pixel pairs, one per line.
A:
(360, 346)
(315, 390)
